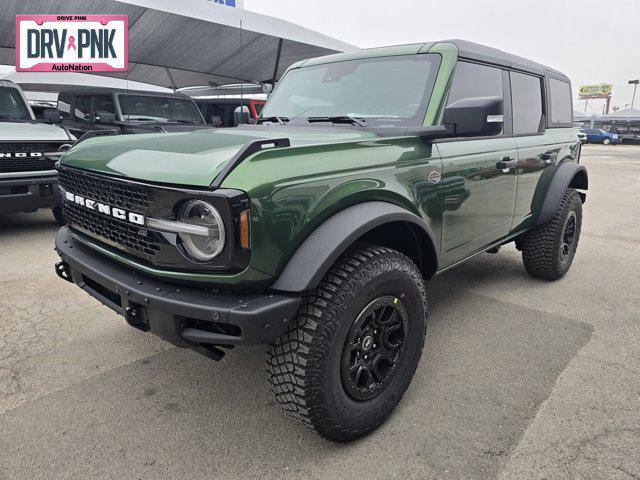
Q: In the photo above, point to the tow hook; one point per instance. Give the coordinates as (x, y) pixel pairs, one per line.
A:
(62, 270)
(135, 316)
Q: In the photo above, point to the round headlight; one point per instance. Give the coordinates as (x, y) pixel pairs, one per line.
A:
(207, 245)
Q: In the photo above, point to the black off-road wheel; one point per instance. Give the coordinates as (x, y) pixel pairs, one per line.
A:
(548, 250)
(347, 359)
(57, 214)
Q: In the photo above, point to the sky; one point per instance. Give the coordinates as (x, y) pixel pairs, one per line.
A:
(591, 41)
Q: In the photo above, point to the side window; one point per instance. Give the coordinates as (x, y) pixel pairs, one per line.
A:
(560, 101)
(473, 80)
(64, 104)
(103, 103)
(526, 98)
(82, 106)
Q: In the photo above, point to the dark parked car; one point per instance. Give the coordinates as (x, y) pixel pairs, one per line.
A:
(227, 109)
(598, 135)
(128, 111)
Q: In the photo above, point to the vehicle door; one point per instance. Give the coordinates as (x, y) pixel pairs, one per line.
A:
(537, 147)
(479, 194)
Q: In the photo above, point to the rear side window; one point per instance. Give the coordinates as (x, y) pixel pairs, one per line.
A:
(526, 98)
(473, 80)
(560, 101)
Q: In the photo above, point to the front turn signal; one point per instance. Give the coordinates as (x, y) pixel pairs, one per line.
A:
(244, 230)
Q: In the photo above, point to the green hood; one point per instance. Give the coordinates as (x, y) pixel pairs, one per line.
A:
(193, 158)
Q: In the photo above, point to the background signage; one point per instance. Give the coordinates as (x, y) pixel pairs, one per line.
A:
(72, 43)
(596, 91)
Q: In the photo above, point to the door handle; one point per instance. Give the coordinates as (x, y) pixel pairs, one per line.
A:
(549, 157)
(506, 164)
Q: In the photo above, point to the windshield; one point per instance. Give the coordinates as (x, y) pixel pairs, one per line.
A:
(384, 91)
(145, 108)
(12, 104)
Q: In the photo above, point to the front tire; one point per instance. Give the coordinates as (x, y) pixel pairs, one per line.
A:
(548, 250)
(606, 141)
(350, 354)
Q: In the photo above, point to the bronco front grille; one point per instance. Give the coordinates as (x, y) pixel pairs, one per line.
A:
(129, 196)
(130, 238)
(111, 231)
(10, 163)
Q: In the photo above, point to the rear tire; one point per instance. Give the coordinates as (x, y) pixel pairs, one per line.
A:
(548, 250)
(350, 354)
(57, 214)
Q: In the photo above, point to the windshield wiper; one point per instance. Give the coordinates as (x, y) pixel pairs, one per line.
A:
(177, 120)
(339, 119)
(273, 119)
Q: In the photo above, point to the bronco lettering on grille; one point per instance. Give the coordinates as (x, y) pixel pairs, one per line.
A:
(20, 154)
(105, 209)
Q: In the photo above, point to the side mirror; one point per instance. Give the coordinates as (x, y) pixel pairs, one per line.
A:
(52, 116)
(216, 121)
(475, 116)
(104, 117)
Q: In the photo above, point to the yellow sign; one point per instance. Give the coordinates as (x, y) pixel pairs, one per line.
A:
(596, 91)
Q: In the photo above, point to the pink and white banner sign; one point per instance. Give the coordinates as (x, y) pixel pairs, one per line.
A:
(72, 43)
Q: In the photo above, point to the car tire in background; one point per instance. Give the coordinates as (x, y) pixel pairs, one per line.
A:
(348, 357)
(548, 250)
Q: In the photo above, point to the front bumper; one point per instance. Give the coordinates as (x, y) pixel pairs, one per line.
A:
(29, 194)
(185, 316)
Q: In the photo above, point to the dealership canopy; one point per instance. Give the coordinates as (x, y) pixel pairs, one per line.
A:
(626, 115)
(185, 43)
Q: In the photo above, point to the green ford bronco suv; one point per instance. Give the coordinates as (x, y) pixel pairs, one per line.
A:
(315, 230)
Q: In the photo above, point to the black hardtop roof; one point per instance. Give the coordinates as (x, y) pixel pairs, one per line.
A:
(482, 53)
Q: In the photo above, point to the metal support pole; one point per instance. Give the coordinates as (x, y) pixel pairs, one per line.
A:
(275, 70)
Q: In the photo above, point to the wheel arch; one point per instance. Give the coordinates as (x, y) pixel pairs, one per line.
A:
(380, 223)
(567, 175)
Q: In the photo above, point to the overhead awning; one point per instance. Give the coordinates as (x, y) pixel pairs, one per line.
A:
(626, 115)
(184, 43)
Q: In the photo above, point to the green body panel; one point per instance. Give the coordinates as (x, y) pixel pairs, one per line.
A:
(192, 158)
(449, 54)
(293, 190)
(478, 197)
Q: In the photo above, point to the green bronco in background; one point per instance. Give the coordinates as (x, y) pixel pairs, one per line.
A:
(315, 230)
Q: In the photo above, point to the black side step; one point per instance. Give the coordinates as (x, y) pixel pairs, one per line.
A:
(246, 151)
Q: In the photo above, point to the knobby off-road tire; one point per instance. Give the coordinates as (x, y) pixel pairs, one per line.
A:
(548, 250)
(310, 366)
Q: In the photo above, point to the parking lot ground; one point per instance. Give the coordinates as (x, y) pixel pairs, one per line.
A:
(519, 378)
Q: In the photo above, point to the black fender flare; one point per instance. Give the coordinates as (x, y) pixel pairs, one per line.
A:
(568, 174)
(313, 259)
